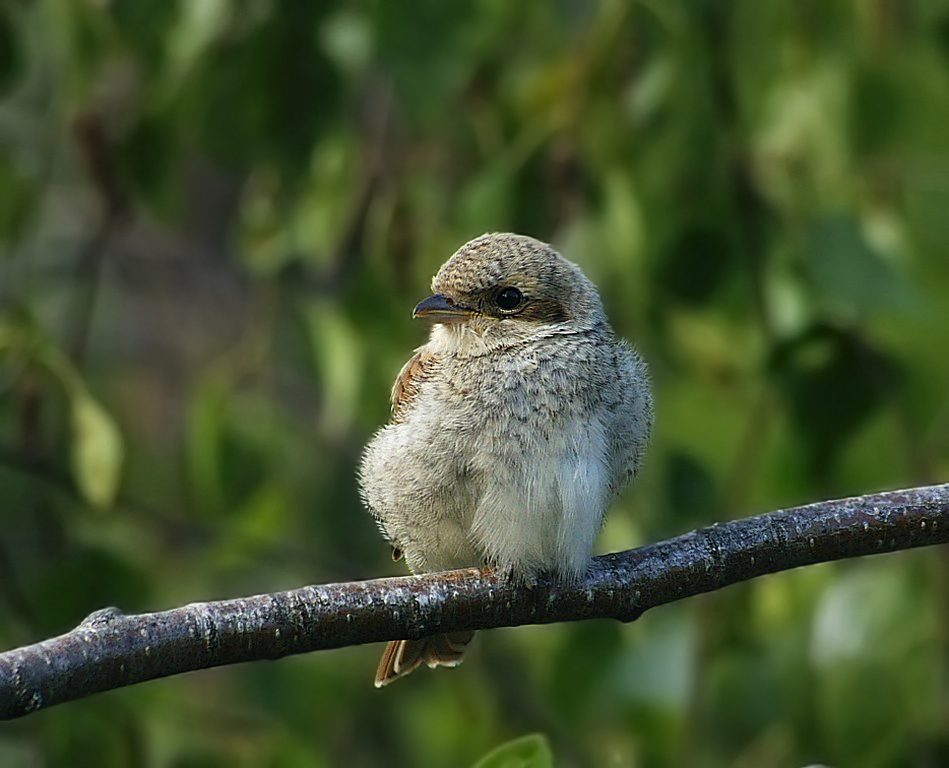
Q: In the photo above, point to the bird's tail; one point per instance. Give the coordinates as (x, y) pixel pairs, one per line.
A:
(403, 656)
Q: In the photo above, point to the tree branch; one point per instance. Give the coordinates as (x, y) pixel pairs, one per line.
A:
(110, 650)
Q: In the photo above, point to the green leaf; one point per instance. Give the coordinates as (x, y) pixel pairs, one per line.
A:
(338, 352)
(847, 272)
(96, 451)
(531, 751)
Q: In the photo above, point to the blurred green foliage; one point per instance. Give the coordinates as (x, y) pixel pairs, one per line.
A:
(214, 220)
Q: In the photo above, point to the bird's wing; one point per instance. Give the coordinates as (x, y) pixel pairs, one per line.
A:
(409, 381)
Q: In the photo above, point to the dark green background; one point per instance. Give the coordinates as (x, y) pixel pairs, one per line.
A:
(215, 218)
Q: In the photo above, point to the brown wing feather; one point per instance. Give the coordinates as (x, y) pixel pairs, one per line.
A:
(409, 380)
(402, 656)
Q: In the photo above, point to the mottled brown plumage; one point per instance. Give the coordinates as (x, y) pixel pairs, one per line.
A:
(513, 427)
(409, 380)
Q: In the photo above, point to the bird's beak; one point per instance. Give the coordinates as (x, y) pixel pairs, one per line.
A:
(441, 309)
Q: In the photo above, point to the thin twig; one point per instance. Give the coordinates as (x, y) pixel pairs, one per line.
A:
(110, 650)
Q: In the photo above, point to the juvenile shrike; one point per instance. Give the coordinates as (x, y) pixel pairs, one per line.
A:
(513, 427)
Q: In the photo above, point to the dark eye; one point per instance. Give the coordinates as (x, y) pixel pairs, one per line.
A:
(508, 298)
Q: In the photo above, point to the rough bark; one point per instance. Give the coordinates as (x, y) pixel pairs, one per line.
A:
(110, 650)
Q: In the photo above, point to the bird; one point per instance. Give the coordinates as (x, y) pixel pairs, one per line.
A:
(512, 429)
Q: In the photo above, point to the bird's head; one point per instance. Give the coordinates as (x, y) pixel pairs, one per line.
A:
(505, 288)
